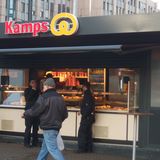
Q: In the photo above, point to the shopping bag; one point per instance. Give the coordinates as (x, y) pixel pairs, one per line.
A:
(60, 143)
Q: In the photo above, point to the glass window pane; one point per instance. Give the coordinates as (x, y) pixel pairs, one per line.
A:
(13, 83)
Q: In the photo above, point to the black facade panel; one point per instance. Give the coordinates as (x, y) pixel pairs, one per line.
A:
(74, 60)
(105, 25)
(91, 40)
(154, 127)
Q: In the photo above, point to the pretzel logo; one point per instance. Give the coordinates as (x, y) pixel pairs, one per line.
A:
(64, 24)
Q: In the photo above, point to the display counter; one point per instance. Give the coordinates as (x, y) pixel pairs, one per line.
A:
(109, 125)
(115, 92)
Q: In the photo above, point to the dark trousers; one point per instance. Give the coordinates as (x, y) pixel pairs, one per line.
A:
(85, 141)
(31, 123)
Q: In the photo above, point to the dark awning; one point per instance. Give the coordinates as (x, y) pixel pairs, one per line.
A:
(71, 49)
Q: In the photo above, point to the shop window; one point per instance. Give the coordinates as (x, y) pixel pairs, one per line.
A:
(126, 82)
(114, 89)
(13, 84)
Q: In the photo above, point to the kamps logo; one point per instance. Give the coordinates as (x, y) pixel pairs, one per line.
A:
(63, 24)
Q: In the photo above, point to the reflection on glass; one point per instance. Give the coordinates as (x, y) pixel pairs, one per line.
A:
(13, 83)
(126, 82)
(15, 98)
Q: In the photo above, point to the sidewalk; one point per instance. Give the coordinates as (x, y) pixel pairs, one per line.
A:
(11, 148)
(10, 151)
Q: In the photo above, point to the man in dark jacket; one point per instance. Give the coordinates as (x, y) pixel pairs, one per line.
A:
(51, 108)
(31, 94)
(85, 130)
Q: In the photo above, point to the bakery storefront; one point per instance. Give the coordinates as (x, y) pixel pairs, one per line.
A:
(116, 55)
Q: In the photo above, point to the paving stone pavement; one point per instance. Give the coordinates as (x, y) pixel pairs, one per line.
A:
(12, 151)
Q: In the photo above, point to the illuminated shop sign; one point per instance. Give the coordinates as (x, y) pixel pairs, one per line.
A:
(63, 24)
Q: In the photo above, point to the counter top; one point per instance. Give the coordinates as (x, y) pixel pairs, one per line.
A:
(76, 109)
(70, 109)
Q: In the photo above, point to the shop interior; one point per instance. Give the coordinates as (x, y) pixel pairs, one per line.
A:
(114, 89)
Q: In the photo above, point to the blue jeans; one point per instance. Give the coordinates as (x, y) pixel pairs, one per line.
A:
(49, 145)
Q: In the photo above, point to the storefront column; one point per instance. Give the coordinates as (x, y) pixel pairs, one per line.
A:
(145, 90)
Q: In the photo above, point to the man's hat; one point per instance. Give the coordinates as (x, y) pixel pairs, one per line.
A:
(49, 82)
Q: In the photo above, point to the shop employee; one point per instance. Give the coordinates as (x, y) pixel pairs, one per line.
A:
(31, 94)
(87, 111)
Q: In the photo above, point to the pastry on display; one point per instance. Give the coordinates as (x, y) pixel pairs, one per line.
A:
(103, 107)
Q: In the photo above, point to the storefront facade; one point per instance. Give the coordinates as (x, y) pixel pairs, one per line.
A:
(117, 54)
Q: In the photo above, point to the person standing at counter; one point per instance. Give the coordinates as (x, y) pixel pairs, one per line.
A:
(49, 75)
(52, 110)
(31, 94)
(87, 109)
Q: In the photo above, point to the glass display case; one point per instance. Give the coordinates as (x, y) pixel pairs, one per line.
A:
(97, 79)
(13, 84)
(13, 98)
(123, 90)
(69, 84)
(114, 89)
